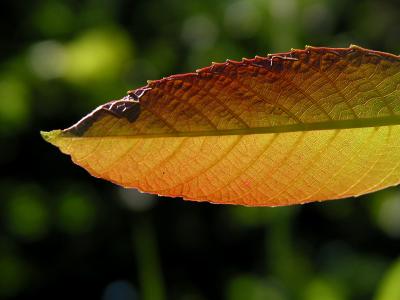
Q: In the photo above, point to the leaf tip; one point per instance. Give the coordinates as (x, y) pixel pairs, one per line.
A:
(51, 136)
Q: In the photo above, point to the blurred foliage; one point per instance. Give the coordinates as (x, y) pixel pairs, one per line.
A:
(389, 288)
(65, 234)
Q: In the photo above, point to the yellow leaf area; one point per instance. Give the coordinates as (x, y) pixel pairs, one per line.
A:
(306, 125)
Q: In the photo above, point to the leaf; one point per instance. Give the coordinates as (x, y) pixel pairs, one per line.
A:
(307, 125)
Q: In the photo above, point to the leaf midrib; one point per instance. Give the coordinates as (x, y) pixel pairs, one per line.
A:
(327, 125)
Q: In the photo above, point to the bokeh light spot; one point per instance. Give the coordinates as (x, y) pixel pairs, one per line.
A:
(76, 214)
(135, 200)
(321, 288)
(246, 287)
(53, 18)
(99, 54)
(242, 18)
(12, 275)
(120, 290)
(199, 32)
(48, 59)
(27, 215)
(14, 103)
(389, 215)
(390, 287)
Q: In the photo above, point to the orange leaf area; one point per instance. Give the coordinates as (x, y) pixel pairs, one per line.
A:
(306, 125)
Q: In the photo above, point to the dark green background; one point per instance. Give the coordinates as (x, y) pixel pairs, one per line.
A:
(67, 235)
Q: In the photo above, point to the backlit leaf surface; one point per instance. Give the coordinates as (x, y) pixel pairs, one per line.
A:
(306, 125)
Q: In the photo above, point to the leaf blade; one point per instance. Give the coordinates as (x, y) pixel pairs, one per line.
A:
(250, 135)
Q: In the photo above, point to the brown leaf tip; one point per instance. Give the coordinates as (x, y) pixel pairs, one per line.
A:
(127, 108)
